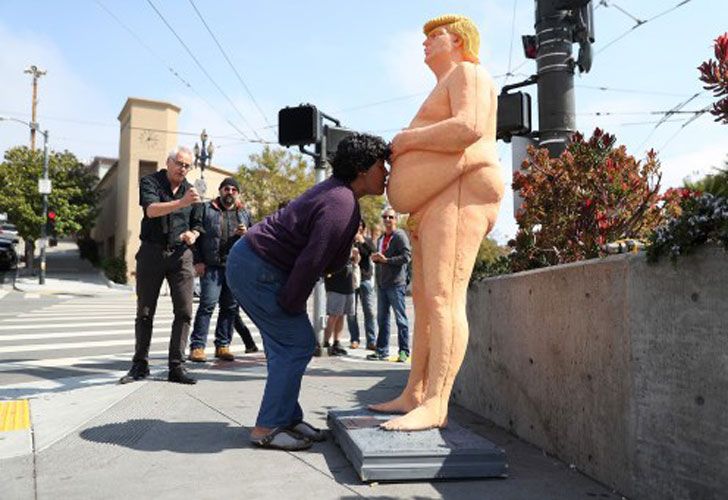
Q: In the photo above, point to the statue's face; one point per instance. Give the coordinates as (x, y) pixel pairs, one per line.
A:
(439, 43)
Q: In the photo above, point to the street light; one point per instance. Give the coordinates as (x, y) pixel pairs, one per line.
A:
(203, 158)
(44, 188)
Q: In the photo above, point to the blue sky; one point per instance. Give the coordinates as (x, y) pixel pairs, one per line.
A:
(358, 61)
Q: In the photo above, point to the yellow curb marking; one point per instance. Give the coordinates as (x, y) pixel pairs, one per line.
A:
(14, 415)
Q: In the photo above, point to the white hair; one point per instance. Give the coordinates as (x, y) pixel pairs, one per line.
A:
(179, 149)
(388, 208)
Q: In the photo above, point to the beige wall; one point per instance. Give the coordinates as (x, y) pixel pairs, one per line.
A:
(148, 132)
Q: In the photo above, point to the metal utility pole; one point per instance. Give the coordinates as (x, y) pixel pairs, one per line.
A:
(36, 73)
(560, 23)
(44, 186)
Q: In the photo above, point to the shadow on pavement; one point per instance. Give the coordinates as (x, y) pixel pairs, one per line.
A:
(159, 435)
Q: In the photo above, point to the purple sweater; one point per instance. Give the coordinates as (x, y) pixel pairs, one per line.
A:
(312, 235)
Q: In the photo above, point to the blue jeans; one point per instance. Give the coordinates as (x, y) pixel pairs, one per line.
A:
(392, 297)
(214, 290)
(365, 295)
(289, 340)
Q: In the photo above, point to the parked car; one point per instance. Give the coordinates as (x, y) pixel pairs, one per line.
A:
(8, 255)
(8, 231)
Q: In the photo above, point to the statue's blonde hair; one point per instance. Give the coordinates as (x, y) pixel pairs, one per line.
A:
(461, 26)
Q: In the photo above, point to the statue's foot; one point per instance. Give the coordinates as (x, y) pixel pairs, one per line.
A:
(421, 418)
(402, 404)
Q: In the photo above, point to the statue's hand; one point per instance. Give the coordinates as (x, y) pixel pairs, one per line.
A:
(399, 145)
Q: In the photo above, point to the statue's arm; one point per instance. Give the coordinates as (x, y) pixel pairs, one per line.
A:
(469, 98)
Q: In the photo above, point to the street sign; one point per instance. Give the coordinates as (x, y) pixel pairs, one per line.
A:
(44, 186)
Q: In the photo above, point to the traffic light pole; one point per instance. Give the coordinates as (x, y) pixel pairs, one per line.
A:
(555, 69)
(44, 224)
(319, 292)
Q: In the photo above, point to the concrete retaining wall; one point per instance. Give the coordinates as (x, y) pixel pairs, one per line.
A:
(614, 365)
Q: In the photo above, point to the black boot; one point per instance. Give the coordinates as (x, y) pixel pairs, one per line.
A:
(139, 371)
(179, 374)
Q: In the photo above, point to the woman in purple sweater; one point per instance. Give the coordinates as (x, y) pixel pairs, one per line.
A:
(273, 269)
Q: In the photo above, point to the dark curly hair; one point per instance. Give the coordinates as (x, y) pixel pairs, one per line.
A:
(357, 153)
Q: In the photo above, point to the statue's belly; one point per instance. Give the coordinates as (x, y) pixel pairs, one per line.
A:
(417, 176)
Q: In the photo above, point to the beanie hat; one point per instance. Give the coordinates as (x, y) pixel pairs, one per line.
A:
(229, 181)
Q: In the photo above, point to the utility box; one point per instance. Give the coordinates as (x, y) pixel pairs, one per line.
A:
(299, 126)
(514, 115)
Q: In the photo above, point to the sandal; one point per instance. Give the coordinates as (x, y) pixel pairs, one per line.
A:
(309, 432)
(283, 439)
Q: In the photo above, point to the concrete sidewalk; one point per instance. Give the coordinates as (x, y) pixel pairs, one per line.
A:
(67, 273)
(93, 438)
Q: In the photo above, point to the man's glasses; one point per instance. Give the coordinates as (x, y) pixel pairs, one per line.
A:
(181, 164)
(387, 217)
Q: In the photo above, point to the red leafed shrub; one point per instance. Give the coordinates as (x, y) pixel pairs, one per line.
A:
(714, 73)
(594, 193)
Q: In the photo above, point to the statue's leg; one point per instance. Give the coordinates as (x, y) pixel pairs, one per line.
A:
(437, 233)
(475, 222)
(450, 244)
(413, 393)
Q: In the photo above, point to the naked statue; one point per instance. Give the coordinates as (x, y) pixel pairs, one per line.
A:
(446, 175)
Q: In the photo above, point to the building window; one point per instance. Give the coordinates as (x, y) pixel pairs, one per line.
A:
(146, 168)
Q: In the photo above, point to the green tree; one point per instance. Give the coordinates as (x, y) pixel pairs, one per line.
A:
(273, 177)
(371, 209)
(715, 184)
(72, 198)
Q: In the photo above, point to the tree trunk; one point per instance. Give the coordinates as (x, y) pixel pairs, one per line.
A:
(29, 253)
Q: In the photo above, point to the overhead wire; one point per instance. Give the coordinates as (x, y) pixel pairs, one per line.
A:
(678, 109)
(683, 126)
(630, 91)
(513, 35)
(640, 23)
(202, 68)
(232, 66)
(170, 68)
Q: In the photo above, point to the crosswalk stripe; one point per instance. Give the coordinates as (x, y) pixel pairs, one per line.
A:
(91, 333)
(5, 327)
(76, 345)
(31, 296)
(26, 318)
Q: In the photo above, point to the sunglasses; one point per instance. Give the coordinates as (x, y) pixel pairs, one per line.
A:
(182, 165)
(387, 217)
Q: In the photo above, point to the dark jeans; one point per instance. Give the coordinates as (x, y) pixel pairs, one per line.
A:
(365, 296)
(392, 297)
(288, 339)
(153, 265)
(243, 331)
(213, 291)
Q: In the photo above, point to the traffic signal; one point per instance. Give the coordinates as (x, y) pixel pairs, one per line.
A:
(299, 126)
(514, 115)
(51, 219)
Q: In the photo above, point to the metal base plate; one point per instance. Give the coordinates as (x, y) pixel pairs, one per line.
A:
(379, 455)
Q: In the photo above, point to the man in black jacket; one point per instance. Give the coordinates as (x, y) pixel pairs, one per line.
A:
(391, 259)
(171, 224)
(225, 220)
